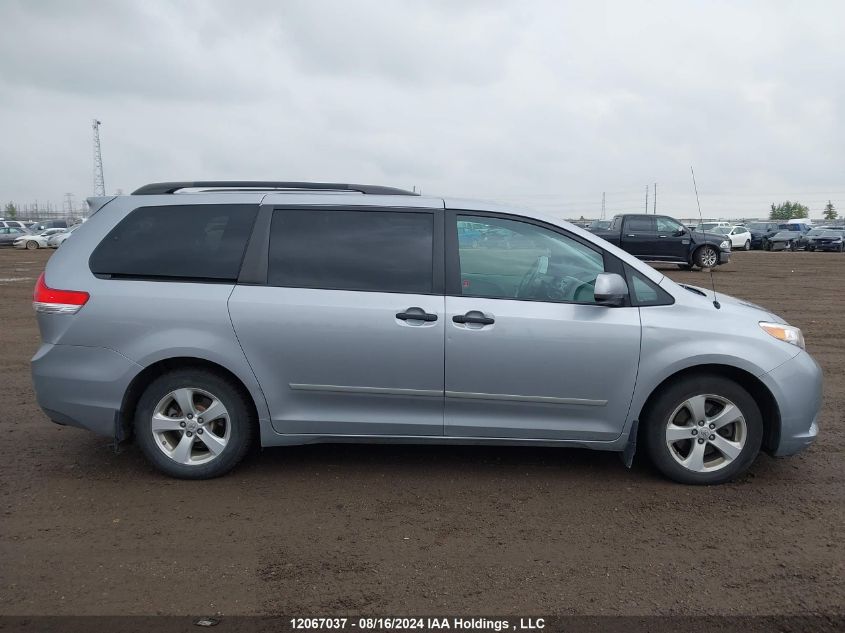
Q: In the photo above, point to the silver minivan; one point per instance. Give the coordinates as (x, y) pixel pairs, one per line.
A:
(199, 318)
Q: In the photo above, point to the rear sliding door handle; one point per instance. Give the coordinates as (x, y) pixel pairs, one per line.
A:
(418, 314)
(470, 318)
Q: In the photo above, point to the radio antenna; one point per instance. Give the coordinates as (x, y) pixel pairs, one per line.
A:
(716, 303)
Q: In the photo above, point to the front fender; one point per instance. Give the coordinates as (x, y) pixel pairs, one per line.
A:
(681, 337)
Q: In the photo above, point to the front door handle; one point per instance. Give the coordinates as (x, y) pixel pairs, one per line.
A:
(418, 314)
(470, 318)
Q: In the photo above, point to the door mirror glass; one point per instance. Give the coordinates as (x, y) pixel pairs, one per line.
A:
(611, 289)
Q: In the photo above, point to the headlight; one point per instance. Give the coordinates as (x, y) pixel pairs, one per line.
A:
(785, 333)
(726, 245)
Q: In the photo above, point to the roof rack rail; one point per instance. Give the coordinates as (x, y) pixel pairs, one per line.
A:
(158, 188)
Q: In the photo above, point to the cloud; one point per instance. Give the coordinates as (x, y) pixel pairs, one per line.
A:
(538, 103)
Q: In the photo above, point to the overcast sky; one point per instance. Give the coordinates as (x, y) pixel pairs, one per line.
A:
(543, 104)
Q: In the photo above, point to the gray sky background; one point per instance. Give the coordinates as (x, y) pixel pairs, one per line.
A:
(543, 104)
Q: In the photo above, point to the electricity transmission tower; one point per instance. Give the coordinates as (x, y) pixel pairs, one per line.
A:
(99, 181)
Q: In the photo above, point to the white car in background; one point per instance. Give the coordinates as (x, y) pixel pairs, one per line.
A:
(36, 240)
(740, 237)
(56, 240)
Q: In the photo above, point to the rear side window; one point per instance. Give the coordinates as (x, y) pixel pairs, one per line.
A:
(180, 241)
(377, 251)
(640, 224)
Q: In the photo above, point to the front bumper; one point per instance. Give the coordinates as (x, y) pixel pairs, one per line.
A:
(797, 388)
(724, 256)
(830, 246)
(82, 386)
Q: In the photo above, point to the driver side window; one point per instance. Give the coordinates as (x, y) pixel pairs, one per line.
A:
(668, 225)
(508, 259)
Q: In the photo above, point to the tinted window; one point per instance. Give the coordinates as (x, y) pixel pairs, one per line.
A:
(378, 251)
(518, 260)
(191, 241)
(641, 224)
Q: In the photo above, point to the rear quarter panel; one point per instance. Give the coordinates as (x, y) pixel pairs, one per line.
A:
(146, 321)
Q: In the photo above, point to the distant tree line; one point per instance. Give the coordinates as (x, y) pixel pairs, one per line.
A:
(795, 210)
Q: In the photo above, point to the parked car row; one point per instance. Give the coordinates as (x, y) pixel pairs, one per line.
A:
(27, 238)
(821, 239)
(771, 236)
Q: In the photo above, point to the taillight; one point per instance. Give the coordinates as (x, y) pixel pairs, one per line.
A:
(52, 301)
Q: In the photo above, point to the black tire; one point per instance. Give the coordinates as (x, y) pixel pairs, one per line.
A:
(31, 245)
(241, 422)
(703, 254)
(657, 417)
(793, 246)
(810, 248)
(748, 245)
(767, 245)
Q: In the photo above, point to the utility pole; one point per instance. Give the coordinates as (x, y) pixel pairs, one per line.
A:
(602, 205)
(654, 204)
(69, 203)
(99, 181)
(646, 199)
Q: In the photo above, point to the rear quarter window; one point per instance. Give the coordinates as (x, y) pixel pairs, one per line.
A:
(178, 241)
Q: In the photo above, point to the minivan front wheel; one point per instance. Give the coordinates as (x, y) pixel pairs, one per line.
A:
(193, 424)
(703, 430)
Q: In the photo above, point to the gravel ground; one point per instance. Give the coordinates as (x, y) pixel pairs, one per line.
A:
(401, 529)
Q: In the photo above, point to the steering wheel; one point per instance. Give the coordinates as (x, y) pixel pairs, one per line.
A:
(530, 277)
(582, 291)
(573, 289)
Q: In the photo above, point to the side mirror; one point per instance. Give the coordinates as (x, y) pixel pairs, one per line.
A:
(611, 290)
(680, 232)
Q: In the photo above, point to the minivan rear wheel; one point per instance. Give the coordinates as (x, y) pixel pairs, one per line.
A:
(193, 424)
(703, 429)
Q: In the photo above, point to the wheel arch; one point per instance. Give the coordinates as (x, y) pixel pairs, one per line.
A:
(147, 375)
(764, 398)
(694, 254)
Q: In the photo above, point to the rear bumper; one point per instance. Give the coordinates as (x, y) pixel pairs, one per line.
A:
(82, 386)
(797, 387)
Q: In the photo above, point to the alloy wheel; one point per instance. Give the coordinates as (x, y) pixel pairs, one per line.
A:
(706, 433)
(191, 426)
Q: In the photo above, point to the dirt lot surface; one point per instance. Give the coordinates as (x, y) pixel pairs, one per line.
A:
(399, 529)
